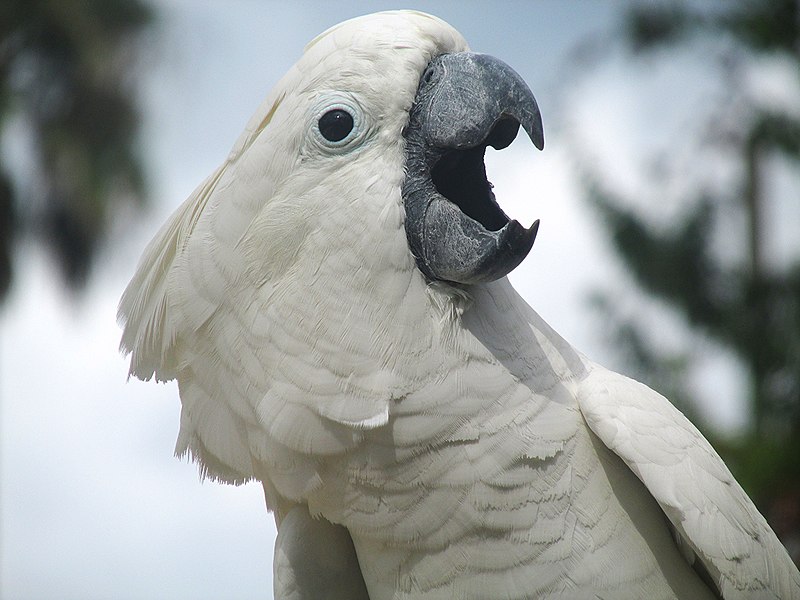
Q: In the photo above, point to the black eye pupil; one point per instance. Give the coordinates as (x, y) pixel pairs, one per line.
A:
(335, 125)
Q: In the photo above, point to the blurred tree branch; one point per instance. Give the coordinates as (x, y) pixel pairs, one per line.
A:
(747, 304)
(66, 75)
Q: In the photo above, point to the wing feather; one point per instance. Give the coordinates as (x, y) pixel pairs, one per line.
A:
(706, 506)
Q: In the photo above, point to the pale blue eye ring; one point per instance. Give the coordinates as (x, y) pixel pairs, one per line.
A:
(337, 124)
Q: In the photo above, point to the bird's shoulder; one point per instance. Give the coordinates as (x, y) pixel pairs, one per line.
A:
(714, 520)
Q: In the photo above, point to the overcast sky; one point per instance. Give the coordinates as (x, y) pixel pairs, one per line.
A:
(93, 503)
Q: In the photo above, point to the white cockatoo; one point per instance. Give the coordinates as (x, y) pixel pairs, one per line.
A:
(332, 301)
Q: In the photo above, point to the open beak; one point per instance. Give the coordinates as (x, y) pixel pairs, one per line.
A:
(455, 228)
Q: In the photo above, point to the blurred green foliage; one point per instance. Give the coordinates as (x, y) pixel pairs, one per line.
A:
(66, 77)
(744, 305)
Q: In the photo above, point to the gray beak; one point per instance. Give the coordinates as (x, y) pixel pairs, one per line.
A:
(455, 228)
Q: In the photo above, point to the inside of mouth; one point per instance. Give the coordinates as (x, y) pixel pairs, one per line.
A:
(460, 176)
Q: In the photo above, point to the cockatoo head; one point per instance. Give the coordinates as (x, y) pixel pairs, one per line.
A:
(393, 110)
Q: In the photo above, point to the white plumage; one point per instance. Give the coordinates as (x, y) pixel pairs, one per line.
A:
(438, 441)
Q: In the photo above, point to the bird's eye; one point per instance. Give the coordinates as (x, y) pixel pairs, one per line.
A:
(335, 125)
(338, 123)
